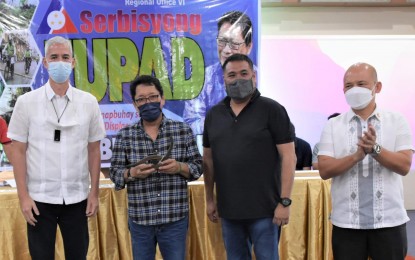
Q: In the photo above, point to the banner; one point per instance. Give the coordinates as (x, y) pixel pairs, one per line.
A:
(181, 42)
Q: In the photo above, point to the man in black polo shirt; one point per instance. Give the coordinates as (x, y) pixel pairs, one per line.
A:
(249, 154)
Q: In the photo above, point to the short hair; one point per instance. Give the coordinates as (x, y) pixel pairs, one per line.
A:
(333, 115)
(146, 80)
(58, 40)
(240, 19)
(238, 57)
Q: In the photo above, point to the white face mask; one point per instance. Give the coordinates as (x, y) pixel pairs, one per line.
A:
(358, 97)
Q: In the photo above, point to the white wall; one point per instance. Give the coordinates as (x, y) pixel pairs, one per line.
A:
(338, 20)
(343, 21)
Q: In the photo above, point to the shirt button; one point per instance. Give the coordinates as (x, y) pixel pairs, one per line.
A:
(158, 195)
(158, 210)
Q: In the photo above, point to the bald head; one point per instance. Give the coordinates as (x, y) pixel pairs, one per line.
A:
(363, 69)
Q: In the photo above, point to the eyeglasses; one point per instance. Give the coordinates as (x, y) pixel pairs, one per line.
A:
(222, 42)
(143, 100)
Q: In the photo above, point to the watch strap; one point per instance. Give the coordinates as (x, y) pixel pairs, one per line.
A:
(129, 177)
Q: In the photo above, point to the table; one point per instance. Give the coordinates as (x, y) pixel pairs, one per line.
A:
(308, 235)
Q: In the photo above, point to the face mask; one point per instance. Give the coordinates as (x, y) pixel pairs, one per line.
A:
(59, 71)
(358, 97)
(150, 111)
(240, 89)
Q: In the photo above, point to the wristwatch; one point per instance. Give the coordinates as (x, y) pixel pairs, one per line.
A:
(129, 177)
(376, 149)
(285, 202)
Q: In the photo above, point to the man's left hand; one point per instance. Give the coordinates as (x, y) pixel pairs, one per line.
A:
(281, 215)
(92, 205)
(368, 140)
(169, 166)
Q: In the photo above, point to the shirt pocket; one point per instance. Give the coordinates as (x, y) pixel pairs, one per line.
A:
(41, 129)
(78, 129)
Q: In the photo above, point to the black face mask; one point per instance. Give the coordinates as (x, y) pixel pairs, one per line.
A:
(150, 111)
(240, 89)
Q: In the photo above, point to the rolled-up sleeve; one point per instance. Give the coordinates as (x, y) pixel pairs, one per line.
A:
(194, 159)
(118, 162)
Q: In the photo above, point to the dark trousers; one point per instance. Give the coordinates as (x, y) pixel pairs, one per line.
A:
(73, 225)
(379, 244)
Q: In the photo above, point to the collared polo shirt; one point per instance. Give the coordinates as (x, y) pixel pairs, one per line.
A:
(368, 196)
(57, 172)
(246, 162)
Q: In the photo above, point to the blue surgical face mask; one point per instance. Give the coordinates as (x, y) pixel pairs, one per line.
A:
(240, 89)
(59, 71)
(150, 111)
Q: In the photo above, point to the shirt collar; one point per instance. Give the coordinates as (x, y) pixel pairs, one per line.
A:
(161, 126)
(376, 114)
(50, 93)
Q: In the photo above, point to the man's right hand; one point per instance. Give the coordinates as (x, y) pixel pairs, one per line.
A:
(212, 211)
(360, 153)
(28, 207)
(142, 171)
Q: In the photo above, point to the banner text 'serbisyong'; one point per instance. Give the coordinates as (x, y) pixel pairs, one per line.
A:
(144, 22)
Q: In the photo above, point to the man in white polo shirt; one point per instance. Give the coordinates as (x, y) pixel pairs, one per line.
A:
(366, 151)
(56, 132)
